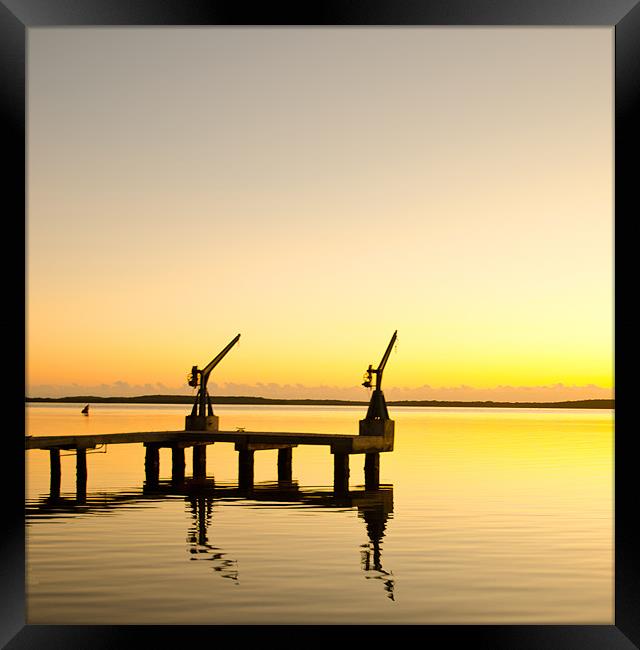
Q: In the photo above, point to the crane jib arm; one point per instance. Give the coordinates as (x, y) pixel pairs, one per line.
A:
(214, 362)
(385, 358)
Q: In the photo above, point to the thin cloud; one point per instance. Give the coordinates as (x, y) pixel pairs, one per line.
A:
(507, 393)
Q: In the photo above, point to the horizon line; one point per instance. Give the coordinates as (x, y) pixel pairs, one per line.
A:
(185, 399)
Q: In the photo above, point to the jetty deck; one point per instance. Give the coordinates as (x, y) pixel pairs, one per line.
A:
(339, 443)
(374, 438)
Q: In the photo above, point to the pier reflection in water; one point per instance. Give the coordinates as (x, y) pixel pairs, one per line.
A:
(374, 507)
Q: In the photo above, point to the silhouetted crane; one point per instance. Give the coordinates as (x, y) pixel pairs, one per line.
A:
(377, 406)
(202, 406)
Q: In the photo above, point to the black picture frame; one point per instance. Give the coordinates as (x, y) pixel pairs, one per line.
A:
(17, 16)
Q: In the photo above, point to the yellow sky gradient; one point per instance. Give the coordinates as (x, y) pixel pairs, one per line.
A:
(315, 189)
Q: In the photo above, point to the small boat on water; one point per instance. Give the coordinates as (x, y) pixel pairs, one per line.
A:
(85, 410)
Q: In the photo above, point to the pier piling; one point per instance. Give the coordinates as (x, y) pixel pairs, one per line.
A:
(54, 484)
(284, 464)
(152, 463)
(372, 471)
(81, 474)
(340, 472)
(177, 463)
(199, 461)
(245, 468)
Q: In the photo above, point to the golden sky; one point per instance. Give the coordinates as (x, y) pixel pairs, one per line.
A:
(315, 189)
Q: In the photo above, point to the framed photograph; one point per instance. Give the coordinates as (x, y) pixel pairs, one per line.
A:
(229, 215)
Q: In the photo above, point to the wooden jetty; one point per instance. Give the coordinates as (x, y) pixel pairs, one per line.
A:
(376, 435)
(246, 443)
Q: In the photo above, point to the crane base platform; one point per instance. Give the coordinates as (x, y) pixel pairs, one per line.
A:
(202, 423)
(377, 427)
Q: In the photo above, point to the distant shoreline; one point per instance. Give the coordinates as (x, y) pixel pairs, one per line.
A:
(187, 399)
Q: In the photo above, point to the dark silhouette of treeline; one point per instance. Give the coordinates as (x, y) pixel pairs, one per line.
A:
(186, 399)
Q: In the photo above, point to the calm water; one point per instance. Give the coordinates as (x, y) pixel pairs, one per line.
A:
(483, 516)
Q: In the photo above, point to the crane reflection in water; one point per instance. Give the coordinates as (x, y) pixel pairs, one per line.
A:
(374, 507)
(371, 553)
(199, 547)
